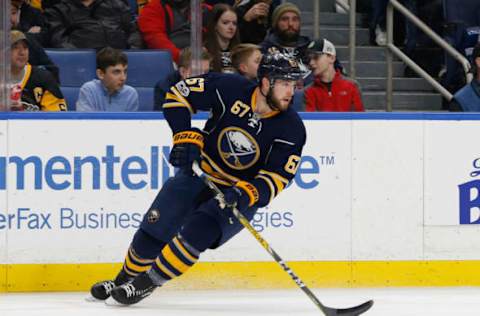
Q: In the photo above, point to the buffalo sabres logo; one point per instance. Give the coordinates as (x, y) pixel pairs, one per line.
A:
(153, 215)
(237, 148)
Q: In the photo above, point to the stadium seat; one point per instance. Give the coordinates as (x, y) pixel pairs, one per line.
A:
(145, 99)
(76, 66)
(147, 67)
(71, 96)
(298, 101)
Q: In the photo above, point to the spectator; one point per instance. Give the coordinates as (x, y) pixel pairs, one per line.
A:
(285, 35)
(165, 24)
(29, 20)
(254, 19)
(330, 91)
(37, 55)
(467, 99)
(184, 71)
(221, 37)
(245, 60)
(378, 21)
(92, 24)
(109, 93)
(461, 17)
(37, 88)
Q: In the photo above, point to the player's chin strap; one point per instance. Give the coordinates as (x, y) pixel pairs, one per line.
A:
(327, 311)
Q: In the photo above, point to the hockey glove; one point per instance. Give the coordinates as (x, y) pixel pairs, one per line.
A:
(236, 197)
(187, 146)
(242, 196)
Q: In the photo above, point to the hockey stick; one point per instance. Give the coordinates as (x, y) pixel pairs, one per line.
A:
(327, 311)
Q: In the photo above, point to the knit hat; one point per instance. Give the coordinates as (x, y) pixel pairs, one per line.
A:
(281, 9)
(322, 46)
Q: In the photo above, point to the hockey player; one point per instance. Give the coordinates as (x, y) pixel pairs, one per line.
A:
(250, 146)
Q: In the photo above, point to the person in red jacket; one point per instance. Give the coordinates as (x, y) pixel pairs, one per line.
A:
(165, 24)
(330, 91)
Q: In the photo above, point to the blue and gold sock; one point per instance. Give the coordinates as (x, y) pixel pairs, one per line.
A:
(174, 260)
(134, 264)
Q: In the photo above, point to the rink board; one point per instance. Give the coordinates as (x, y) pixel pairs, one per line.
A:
(379, 199)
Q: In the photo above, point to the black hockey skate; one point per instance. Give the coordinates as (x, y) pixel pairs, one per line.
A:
(101, 290)
(133, 291)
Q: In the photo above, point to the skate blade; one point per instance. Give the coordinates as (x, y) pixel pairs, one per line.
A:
(92, 299)
(112, 302)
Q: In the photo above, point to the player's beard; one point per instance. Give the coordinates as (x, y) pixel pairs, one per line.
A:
(275, 103)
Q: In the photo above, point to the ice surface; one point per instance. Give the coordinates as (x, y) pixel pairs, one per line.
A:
(388, 302)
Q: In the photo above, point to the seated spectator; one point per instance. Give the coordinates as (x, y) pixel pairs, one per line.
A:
(29, 20)
(165, 24)
(467, 99)
(35, 88)
(254, 18)
(221, 37)
(330, 92)
(245, 60)
(109, 93)
(92, 24)
(460, 17)
(285, 35)
(37, 55)
(184, 71)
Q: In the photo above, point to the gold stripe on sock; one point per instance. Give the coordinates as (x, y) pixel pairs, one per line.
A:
(184, 251)
(164, 269)
(174, 260)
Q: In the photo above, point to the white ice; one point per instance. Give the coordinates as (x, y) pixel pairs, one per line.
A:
(388, 302)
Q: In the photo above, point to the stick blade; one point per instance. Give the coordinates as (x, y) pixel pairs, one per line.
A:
(352, 311)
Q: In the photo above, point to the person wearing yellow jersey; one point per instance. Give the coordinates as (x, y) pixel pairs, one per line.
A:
(39, 90)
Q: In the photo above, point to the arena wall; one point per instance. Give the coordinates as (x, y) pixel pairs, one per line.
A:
(379, 200)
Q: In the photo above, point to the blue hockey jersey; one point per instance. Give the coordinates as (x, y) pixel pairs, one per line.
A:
(240, 146)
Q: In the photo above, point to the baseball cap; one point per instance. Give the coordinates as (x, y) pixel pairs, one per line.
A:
(322, 46)
(17, 36)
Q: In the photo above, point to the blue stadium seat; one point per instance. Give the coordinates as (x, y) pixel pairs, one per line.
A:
(76, 66)
(147, 67)
(71, 96)
(145, 99)
(298, 101)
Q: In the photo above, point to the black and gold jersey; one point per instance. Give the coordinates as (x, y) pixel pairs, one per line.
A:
(240, 146)
(40, 91)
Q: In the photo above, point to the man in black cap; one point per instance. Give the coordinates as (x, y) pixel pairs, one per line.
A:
(467, 99)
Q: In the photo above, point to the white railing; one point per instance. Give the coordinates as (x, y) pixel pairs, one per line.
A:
(351, 7)
(393, 50)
